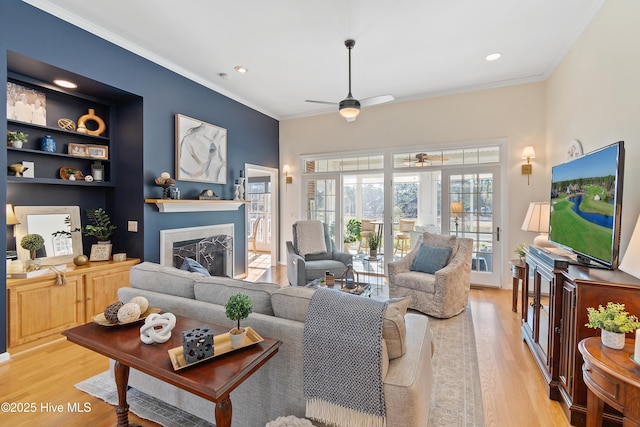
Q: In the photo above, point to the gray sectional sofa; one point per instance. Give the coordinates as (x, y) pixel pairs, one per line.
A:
(277, 388)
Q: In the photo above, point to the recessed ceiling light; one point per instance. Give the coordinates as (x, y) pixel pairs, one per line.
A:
(65, 83)
(493, 56)
(241, 69)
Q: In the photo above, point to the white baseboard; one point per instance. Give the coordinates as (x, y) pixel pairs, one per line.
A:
(4, 357)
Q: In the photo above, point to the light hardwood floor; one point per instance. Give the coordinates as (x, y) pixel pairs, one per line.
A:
(513, 391)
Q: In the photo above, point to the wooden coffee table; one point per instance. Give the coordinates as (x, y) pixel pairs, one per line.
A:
(212, 380)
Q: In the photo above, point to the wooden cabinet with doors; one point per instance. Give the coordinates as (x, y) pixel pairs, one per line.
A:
(540, 316)
(554, 323)
(39, 309)
(581, 288)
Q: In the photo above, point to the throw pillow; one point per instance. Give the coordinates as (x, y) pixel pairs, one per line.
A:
(430, 259)
(194, 266)
(394, 330)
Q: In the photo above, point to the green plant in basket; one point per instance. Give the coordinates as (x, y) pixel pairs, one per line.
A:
(238, 308)
(612, 318)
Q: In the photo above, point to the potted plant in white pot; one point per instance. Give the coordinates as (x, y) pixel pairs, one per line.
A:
(614, 323)
(16, 138)
(238, 308)
(352, 234)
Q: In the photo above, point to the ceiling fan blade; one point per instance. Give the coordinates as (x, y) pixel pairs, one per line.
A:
(375, 100)
(321, 102)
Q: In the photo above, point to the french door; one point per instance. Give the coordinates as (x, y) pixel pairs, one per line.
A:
(321, 201)
(471, 208)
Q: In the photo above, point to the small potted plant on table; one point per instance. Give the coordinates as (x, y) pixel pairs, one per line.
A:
(238, 308)
(352, 233)
(374, 244)
(614, 323)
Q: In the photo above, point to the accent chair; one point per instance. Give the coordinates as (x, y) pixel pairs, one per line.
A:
(436, 275)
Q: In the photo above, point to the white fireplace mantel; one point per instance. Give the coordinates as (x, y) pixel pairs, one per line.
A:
(171, 205)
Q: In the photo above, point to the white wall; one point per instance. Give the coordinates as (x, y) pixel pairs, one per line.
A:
(594, 96)
(515, 113)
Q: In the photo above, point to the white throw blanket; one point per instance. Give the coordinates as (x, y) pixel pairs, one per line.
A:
(342, 360)
(310, 237)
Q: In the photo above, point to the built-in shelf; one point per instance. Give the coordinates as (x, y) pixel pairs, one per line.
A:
(171, 205)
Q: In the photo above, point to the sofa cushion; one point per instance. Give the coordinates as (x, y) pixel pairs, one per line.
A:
(164, 279)
(217, 290)
(430, 259)
(292, 302)
(394, 330)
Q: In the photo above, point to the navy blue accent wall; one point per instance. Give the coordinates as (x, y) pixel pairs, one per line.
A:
(145, 134)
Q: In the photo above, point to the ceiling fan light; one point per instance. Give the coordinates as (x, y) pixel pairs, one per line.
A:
(349, 108)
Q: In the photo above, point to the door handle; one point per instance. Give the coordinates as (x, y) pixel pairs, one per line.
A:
(498, 234)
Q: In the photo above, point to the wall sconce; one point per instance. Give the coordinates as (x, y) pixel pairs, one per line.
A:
(528, 153)
(11, 216)
(288, 179)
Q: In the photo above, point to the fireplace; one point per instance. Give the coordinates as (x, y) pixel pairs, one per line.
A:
(212, 246)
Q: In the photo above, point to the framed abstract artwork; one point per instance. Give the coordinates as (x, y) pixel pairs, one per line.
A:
(201, 151)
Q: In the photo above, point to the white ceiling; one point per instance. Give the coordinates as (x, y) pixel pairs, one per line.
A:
(294, 49)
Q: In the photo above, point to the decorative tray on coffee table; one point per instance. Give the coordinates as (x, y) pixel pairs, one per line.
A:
(221, 345)
(101, 320)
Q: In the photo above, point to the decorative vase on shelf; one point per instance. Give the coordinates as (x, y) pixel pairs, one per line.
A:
(48, 144)
(613, 340)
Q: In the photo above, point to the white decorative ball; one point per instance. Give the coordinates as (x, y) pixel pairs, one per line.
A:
(88, 178)
(128, 313)
(142, 302)
(165, 175)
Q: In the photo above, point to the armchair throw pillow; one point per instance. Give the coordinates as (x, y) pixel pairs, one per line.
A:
(430, 259)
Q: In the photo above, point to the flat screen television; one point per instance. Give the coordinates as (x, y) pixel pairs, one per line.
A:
(586, 203)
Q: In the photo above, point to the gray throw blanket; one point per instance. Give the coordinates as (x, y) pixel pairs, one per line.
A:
(342, 360)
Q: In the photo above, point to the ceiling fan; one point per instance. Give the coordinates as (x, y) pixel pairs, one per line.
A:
(424, 159)
(350, 107)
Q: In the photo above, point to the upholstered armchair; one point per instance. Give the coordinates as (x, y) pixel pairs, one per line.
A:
(444, 293)
(303, 268)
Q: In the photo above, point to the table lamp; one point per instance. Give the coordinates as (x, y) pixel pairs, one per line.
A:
(537, 220)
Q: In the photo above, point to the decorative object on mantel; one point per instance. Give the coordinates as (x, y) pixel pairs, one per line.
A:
(241, 181)
(157, 328)
(71, 174)
(48, 144)
(66, 124)
(201, 151)
(238, 308)
(17, 169)
(91, 117)
(236, 190)
(614, 323)
(165, 181)
(16, 138)
(208, 195)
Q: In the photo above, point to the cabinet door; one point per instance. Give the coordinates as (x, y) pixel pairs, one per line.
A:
(567, 337)
(42, 308)
(102, 289)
